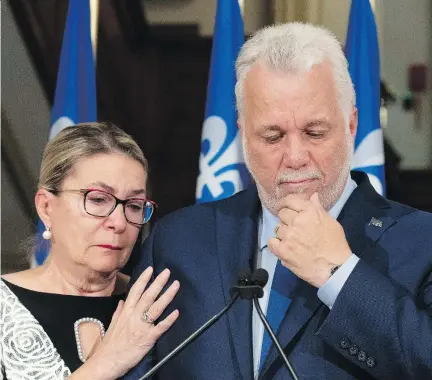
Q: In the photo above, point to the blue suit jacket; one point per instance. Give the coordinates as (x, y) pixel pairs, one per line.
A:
(379, 328)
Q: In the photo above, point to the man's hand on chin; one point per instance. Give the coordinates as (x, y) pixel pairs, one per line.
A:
(308, 240)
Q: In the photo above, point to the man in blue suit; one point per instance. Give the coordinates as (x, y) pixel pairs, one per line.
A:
(350, 273)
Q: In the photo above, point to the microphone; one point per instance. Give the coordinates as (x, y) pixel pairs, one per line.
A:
(245, 281)
(250, 286)
(260, 278)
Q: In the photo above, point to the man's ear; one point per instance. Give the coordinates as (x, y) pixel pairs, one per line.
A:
(44, 204)
(353, 123)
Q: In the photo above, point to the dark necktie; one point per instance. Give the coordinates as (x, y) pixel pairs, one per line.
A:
(283, 283)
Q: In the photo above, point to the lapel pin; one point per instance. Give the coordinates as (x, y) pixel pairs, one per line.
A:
(375, 222)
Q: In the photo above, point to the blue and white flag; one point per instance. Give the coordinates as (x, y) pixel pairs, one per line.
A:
(75, 96)
(221, 165)
(362, 53)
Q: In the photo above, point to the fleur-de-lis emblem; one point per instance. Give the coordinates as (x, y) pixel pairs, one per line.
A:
(219, 164)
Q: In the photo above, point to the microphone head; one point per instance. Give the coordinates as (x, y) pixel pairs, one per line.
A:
(249, 285)
(244, 277)
(260, 277)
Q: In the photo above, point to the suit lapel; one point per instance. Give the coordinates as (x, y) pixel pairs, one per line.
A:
(236, 237)
(364, 220)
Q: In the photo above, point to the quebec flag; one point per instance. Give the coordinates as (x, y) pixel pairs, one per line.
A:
(75, 96)
(222, 171)
(362, 53)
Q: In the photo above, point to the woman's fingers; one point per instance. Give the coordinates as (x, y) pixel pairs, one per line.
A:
(140, 302)
(150, 295)
(138, 288)
(164, 325)
(156, 309)
(130, 336)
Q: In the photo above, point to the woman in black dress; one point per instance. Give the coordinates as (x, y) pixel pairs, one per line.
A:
(67, 318)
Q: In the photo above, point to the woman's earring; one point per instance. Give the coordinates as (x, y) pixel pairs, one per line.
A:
(47, 233)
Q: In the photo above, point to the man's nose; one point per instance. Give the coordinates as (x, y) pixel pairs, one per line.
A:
(296, 154)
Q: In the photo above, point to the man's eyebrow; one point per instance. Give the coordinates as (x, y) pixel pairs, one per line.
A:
(269, 127)
(317, 123)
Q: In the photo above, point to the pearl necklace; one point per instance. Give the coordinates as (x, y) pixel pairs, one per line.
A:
(77, 334)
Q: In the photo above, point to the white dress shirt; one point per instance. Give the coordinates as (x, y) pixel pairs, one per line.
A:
(267, 260)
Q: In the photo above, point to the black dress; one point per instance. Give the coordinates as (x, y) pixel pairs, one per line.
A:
(57, 314)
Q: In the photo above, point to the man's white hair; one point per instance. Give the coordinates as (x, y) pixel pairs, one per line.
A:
(296, 47)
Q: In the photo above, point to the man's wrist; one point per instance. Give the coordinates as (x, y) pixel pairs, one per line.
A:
(334, 269)
(329, 291)
(338, 264)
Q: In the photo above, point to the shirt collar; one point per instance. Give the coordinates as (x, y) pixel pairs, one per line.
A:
(269, 221)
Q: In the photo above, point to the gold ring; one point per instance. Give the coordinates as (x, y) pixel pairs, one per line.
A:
(276, 232)
(146, 317)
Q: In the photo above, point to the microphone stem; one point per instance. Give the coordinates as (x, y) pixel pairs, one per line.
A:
(191, 338)
(274, 339)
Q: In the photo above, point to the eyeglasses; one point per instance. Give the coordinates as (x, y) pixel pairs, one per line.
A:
(100, 203)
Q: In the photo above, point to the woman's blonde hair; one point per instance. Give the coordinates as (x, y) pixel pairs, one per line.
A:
(73, 143)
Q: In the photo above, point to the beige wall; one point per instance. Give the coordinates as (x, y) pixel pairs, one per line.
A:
(202, 12)
(335, 15)
(407, 38)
